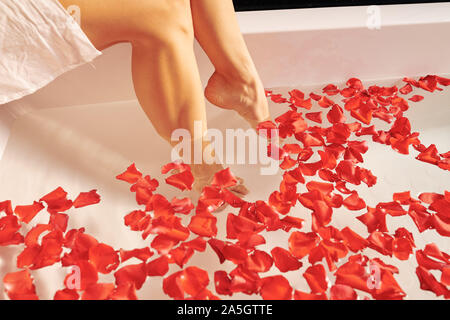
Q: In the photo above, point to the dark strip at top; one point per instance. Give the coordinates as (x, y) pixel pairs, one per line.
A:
(250, 5)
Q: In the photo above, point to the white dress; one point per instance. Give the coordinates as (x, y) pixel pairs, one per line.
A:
(39, 40)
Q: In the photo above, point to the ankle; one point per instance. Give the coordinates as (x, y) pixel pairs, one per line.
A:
(244, 73)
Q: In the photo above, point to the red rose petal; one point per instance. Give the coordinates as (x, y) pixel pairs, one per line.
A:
(316, 278)
(259, 261)
(181, 255)
(234, 253)
(191, 281)
(315, 96)
(198, 244)
(142, 254)
(169, 226)
(429, 155)
(443, 81)
(66, 294)
(176, 166)
(314, 116)
(218, 246)
(342, 292)
(131, 175)
(381, 242)
(125, 291)
(6, 207)
(429, 282)
(406, 89)
(355, 83)
(240, 224)
(347, 171)
(277, 98)
(86, 199)
(222, 283)
(445, 278)
(203, 225)
(224, 179)
(182, 206)
(57, 201)
(300, 243)
(32, 236)
(134, 274)
(325, 102)
(420, 216)
(250, 240)
(284, 261)
(59, 221)
(354, 202)
(416, 98)
(336, 114)
(299, 295)
(402, 197)
(137, 220)
(428, 83)
(27, 213)
(158, 267)
(98, 291)
(104, 258)
(275, 288)
(182, 180)
(441, 224)
(19, 286)
(9, 227)
(353, 240)
(330, 90)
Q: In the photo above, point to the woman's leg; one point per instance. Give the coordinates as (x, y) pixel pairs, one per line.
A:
(235, 83)
(165, 73)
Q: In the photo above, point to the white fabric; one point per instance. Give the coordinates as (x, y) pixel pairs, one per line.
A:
(39, 40)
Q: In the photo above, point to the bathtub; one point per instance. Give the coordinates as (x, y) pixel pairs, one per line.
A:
(91, 116)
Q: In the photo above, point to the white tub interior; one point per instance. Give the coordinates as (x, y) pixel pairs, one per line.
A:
(86, 127)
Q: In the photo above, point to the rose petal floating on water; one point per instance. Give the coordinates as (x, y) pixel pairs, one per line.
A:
(66, 294)
(131, 175)
(104, 258)
(86, 199)
(19, 286)
(416, 98)
(132, 274)
(57, 201)
(284, 261)
(142, 254)
(300, 243)
(275, 288)
(316, 278)
(342, 292)
(9, 227)
(190, 281)
(158, 266)
(182, 180)
(27, 213)
(6, 207)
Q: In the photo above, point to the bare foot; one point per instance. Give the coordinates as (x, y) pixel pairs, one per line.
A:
(245, 97)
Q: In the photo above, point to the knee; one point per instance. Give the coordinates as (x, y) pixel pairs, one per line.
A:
(169, 23)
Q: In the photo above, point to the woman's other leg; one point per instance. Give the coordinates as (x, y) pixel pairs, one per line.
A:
(235, 83)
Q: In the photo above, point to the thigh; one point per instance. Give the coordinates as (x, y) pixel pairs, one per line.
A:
(107, 22)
